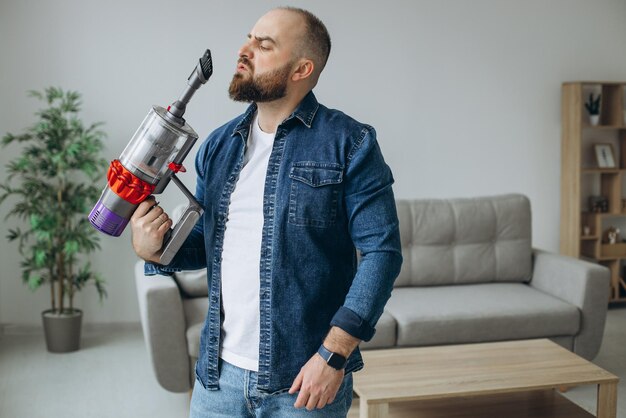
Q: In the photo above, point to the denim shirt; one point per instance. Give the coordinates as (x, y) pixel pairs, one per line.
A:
(327, 194)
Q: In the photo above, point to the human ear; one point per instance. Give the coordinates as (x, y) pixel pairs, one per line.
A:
(303, 70)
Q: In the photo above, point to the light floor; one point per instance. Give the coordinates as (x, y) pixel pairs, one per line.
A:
(111, 377)
(108, 377)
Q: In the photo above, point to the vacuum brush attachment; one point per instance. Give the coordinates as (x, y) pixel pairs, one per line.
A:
(198, 77)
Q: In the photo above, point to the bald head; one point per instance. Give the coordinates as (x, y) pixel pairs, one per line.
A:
(313, 39)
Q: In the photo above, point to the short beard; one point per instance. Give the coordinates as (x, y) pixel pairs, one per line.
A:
(263, 88)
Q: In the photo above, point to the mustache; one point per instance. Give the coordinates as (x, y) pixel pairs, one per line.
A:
(245, 61)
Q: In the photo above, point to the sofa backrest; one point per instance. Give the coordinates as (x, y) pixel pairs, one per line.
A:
(461, 241)
(454, 241)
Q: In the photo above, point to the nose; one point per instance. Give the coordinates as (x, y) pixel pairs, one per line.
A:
(245, 50)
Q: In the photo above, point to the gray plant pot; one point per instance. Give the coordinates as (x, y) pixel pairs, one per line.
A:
(62, 330)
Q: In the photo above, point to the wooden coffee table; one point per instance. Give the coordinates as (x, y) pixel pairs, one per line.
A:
(514, 379)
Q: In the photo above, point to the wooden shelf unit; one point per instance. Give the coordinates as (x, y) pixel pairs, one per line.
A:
(579, 171)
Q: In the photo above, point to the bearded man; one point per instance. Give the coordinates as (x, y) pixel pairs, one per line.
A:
(291, 190)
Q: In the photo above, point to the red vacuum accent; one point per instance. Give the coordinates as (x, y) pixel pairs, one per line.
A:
(126, 185)
(176, 167)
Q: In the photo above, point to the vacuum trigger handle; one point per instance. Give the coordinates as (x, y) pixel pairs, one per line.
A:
(174, 238)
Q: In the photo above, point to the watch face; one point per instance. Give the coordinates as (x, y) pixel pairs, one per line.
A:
(336, 361)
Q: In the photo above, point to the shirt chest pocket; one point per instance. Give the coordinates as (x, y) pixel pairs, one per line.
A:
(314, 195)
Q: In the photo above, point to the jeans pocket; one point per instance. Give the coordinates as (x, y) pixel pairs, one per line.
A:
(314, 194)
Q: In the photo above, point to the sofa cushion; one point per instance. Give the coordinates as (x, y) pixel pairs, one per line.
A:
(478, 312)
(192, 283)
(195, 312)
(460, 241)
(193, 339)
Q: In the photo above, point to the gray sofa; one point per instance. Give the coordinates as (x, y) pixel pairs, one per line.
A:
(469, 275)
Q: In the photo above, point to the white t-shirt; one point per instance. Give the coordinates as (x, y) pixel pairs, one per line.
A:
(241, 256)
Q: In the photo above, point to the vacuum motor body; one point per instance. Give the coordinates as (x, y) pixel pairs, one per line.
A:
(148, 158)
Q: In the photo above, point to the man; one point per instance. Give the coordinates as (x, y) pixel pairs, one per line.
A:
(290, 189)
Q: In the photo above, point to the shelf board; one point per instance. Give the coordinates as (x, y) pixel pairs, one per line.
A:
(597, 83)
(602, 127)
(596, 170)
(603, 214)
(592, 259)
(589, 237)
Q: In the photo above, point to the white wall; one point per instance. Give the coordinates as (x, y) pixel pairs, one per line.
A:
(465, 95)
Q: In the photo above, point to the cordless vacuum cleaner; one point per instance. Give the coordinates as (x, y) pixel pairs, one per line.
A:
(150, 160)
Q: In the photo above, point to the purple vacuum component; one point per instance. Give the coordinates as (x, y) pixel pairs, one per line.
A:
(106, 220)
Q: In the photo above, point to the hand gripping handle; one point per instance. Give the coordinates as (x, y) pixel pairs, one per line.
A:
(174, 238)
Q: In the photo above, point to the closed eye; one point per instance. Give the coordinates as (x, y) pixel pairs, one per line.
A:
(265, 43)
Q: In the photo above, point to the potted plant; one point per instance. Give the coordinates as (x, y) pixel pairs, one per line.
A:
(593, 107)
(51, 184)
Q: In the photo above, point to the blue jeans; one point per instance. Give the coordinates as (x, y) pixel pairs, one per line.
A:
(238, 397)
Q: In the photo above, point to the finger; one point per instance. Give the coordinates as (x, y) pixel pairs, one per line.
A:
(154, 213)
(332, 396)
(165, 226)
(322, 402)
(312, 402)
(302, 399)
(144, 207)
(296, 384)
(162, 218)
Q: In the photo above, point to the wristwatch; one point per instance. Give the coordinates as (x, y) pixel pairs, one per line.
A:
(334, 360)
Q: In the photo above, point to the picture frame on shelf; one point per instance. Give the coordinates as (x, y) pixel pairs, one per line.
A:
(598, 204)
(605, 157)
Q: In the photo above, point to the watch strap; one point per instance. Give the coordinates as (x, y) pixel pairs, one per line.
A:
(334, 360)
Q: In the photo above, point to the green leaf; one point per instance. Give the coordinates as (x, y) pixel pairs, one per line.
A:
(35, 221)
(34, 282)
(53, 93)
(7, 139)
(24, 162)
(43, 236)
(73, 150)
(35, 94)
(40, 258)
(99, 283)
(71, 247)
(13, 234)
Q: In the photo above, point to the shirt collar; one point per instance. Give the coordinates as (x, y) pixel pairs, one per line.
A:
(306, 110)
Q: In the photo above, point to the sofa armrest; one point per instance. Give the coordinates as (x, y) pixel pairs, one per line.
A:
(163, 324)
(581, 283)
